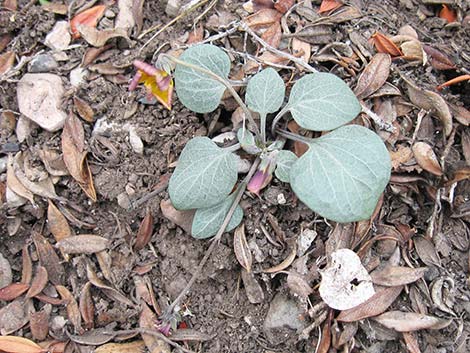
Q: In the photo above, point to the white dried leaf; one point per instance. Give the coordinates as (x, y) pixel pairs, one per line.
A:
(345, 282)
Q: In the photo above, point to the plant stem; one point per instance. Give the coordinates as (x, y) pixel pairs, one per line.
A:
(232, 148)
(222, 81)
(295, 137)
(278, 117)
(263, 127)
(238, 195)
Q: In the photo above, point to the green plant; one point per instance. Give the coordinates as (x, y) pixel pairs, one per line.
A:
(340, 177)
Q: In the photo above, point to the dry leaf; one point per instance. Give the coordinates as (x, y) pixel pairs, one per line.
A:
(426, 251)
(137, 12)
(58, 225)
(147, 320)
(83, 244)
(298, 284)
(448, 14)
(392, 276)
(99, 38)
(241, 248)
(263, 18)
(438, 59)
(26, 266)
(13, 344)
(13, 291)
(6, 276)
(426, 158)
(83, 109)
(12, 318)
(54, 7)
(374, 306)
(94, 337)
(5, 39)
(374, 75)
(88, 18)
(254, 291)
(401, 156)
(345, 282)
(273, 35)
(39, 323)
(404, 322)
(267, 58)
(284, 264)
(6, 61)
(11, 5)
(73, 313)
(108, 290)
(325, 340)
(39, 282)
(92, 53)
(283, 5)
(183, 219)
(411, 342)
(187, 334)
(458, 79)
(196, 35)
(145, 232)
(413, 50)
(48, 258)
(329, 5)
(385, 45)
(129, 347)
(461, 114)
(15, 185)
(301, 49)
(432, 102)
(87, 307)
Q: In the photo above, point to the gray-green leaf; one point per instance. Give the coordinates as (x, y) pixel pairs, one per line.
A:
(342, 174)
(322, 101)
(285, 160)
(196, 90)
(265, 92)
(247, 141)
(204, 176)
(207, 221)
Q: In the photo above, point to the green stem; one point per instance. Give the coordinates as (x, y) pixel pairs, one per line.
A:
(263, 127)
(278, 117)
(295, 137)
(222, 81)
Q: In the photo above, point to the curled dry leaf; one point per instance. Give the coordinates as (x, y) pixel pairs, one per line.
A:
(94, 337)
(111, 292)
(426, 158)
(383, 44)
(6, 61)
(413, 50)
(411, 342)
(284, 264)
(26, 265)
(448, 14)
(432, 102)
(183, 219)
(273, 35)
(14, 344)
(404, 322)
(128, 347)
(438, 59)
(58, 225)
(48, 258)
(39, 282)
(99, 38)
(83, 244)
(241, 248)
(87, 307)
(374, 75)
(88, 18)
(83, 109)
(253, 289)
(39, 323)
(92, 53)
(458, 79)
(73, 313)
(147, 320)
(13, 291)
(298, 284)
(391, 276)
(461, 114)
(263, 18)
(374, 306)
(145, 232)
(15, 185)
(345, 282)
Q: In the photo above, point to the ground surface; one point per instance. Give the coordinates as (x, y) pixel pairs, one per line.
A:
(416, 203)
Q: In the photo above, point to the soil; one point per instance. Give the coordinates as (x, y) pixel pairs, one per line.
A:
(218, 304)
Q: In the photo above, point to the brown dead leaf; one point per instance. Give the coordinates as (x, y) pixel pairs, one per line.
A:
(404, 321)
(5, 39)
(374, 306)
(329, 6)
(438, 59)
(325, 341)
(83, 244)
(401, 156)
(92, 53)
(454, 81)
(273, 35)
(27, 266)
(6, 61)
(374, 75)
(284, 264)
(99, 38)
(6, 276)
(461, 114)
(267, 58)
(301, 50)
(87, 307)
(298, 284)
(83, 109)
(55, 7)
(413, 50)
(53, 162)
(147, 320)
(241, 248)
(426, 251)
(58, 225)
(263, 18)
(431, 102)
(383, 44)
(254, 291)
(145, 232)
(12, 318)
(411, 342)
(13, 291)
(48, 258)
(448, 14)
(39, 323)
(183, 219)
(87, 18)
(39, 282)
(128, 347)
(49, 300)
(73, 313)
(14, 344)
(392, 276)
(15, 185)
(426, 158)
(187, 334)
(196, 35)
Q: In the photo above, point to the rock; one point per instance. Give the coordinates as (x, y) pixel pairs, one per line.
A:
(23, 128)
(283, 317)
(6, 275)
(135, 141)
(124, 201)
(42, 63)
(13, 199)
(3, 166)
(40, 100)
(173, 7)
(77, 76)
(59, 38)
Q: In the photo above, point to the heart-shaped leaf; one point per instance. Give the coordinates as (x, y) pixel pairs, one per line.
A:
(204, 176)
(284, 161)
(207, 221)
(342, 174)
(196, 90)
(322, 101)
(265, 92)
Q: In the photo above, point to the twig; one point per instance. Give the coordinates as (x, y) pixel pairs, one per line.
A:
(383, 125)
(208, 8)
(239, 193)
(139, 202)
(162, 337)
(219, 35)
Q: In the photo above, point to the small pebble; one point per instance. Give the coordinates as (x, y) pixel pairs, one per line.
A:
(281, 199)
(42, 63)
(123, 200)
(109, 14)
